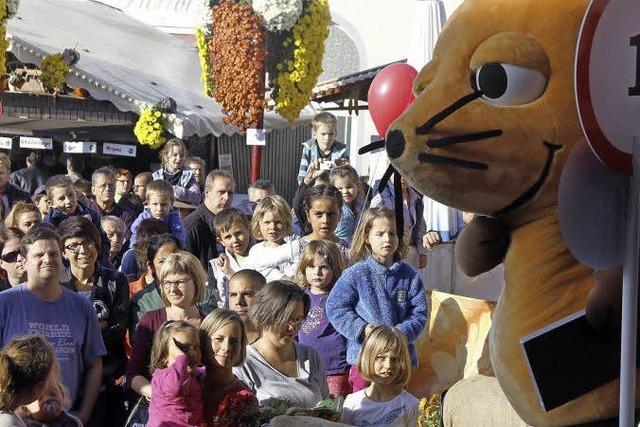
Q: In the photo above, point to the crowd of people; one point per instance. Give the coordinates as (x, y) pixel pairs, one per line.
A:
(119, 308)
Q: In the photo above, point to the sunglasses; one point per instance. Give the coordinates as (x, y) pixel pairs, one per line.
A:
(10, 257)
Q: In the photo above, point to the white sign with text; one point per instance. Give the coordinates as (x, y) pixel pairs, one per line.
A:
(5, 143)
(80, 147)
(36, 143)
(119, 149)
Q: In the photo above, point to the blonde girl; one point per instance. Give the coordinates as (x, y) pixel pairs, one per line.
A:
(225, 347)
(175, 356)
(271, 223)
(25, 371)
(23, 216)
(385, 362)
(320, 266)
(378, 289)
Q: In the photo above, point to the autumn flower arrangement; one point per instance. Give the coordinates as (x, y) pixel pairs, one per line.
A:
(149, 128)
(430, 411)
(202, 41)
(237, 62)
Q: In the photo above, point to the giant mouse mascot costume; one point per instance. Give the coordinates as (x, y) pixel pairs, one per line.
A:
(491, 128)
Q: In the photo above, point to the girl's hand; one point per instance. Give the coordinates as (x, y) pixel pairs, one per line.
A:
(431, 239)
(176, 348)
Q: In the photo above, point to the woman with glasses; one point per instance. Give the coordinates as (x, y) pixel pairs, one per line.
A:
(108, 291)
(277, 367)
(11, 261)
(182, 286)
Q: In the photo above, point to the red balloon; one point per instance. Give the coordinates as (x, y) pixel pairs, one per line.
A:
(390, 94)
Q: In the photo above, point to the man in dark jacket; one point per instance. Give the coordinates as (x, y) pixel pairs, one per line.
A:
(29, 178)
(9, 193)
(103, 187)
(218, 195)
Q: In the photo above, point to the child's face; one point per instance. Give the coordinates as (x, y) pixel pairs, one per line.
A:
(325, 135)
(383, 240)
(44, 205)
(319, 274)
(323, 217)
(188, 342)
(175, 159)
(64, 198)
(159, 205)
(272, 227)
(236, 239)
(347, 187)
(225, 344)
(386, 368)
(27, 220)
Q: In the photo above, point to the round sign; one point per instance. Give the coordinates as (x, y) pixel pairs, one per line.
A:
(608, 80)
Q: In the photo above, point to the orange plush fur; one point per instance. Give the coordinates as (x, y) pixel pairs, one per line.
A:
(544, 282)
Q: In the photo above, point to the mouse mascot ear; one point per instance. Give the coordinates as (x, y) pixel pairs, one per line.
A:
(592, 210)
(592, 203)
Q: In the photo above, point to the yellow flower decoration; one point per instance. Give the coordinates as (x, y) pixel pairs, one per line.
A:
(205, 63)
(54, 72)
(4, 44)
(294, 84)
(149, 129)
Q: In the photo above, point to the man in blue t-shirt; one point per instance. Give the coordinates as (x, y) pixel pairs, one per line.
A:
(42, 305)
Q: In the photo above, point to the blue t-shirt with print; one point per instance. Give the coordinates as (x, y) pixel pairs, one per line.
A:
(69, 323)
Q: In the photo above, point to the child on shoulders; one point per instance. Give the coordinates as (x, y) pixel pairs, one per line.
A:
(384, 361)
(232, 228)
(346, 180)
(160, 200)
(378, 289)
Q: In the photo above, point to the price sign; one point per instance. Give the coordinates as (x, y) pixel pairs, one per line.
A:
(608, 80)
(119, 149)
(36, 143)
(5, 143)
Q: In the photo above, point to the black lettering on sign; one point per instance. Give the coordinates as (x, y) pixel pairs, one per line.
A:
(635, 42)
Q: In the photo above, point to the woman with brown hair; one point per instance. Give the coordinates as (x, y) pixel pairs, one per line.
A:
(25, 370)
(277, 367)
(174, 171)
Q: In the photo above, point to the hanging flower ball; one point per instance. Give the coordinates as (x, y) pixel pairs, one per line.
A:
(278, 15)
(54, 72)
(149, 129)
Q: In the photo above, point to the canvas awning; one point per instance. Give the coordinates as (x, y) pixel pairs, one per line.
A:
(122, 60)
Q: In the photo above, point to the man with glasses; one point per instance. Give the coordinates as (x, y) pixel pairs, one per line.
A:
(103, 187)
(68, 320)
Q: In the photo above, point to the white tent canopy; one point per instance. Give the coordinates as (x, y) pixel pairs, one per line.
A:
(122, 60)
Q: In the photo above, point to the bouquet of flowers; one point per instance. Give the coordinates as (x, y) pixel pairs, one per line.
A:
(430, 411)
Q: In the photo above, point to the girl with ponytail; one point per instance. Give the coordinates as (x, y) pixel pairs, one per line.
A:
(25, 367)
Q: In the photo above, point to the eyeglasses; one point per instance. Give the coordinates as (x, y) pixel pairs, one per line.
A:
(10, 257)
(74, 248)
(180, 284)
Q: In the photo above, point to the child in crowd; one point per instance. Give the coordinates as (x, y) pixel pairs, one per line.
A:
(175, 356)
(49, 409)
(42, 201)
(232, 228)
(319, 268)
(378, 289)
(26, 365)
(23, 216)
(271, 223)
(64, 204)
(229, 402)
(384, 361)
(322, 147)
(315, 177)
(134, 260)
(346, 180)
(160, 201)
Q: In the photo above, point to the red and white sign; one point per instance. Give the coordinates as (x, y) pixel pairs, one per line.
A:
(608, 80)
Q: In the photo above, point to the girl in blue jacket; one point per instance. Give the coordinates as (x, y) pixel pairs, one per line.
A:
(378, 289)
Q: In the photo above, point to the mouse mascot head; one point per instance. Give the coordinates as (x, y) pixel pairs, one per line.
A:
(492, 126)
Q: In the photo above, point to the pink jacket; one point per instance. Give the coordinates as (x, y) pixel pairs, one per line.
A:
(176, 399)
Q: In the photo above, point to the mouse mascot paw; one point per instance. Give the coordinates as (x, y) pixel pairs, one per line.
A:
(481, 245)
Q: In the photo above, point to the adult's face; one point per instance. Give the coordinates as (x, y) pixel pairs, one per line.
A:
(162, 254)
(220, 195)
(123, 185)
(4, 176)
(225, 344)
(26, 221)
(241, 294)
(290, 330)
(81, 252)
(104, 190)
(198, 172)
(115, 236)
(140, 187)
(257, 194)
(174, 159)
(179, 289)
(43, 262)
(12, 262)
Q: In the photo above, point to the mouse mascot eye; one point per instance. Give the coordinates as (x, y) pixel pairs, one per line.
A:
(506, 85)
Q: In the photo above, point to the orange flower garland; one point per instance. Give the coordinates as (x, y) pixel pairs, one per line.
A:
(237, 57)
